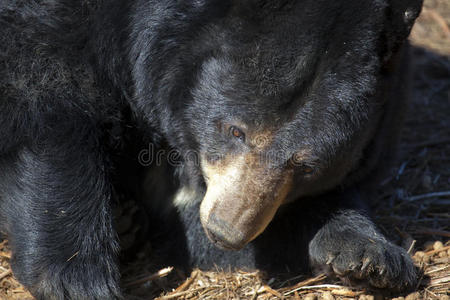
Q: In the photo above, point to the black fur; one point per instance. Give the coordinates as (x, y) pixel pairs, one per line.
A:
(85, 84)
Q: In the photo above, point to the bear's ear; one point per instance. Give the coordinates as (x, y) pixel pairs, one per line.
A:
(401, 16)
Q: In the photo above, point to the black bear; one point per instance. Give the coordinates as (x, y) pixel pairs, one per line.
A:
(279, 112)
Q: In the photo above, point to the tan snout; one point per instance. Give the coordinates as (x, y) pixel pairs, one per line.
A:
(242, 197)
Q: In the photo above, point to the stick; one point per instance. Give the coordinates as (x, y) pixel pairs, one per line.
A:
(187, 283)
(161, 273)
(429, 195)
(434, 232)
(5, 274)
(320, 286)
(411, 247)
(176, 295)
(437, 251)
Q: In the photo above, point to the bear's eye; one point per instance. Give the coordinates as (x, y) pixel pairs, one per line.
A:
(237, 133)
(308, 170)
(297, 161)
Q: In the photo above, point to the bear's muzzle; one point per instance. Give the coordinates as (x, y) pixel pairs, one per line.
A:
(241, 199)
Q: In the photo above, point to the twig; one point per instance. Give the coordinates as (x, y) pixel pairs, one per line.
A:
(255, 293)
(437, 250)
(188, 282)
(438, 281)
(429, 195)
(75, 254)
(5, 274)
(434, 232)
(320, 286)
(433, 294)
(411, 247)
(346, 292)
(441, 260)
(437, 270)
(439, 19)
(271, 291)
(310, 281)
(176, 295)
(161, 273)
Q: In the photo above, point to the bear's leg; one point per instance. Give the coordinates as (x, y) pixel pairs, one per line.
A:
(55, 205)
(350, 246)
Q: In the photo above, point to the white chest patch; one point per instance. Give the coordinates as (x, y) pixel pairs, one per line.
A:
(186, 196)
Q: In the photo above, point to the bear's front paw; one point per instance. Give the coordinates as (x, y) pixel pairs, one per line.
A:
(360, 259)
(76, 285)
(75, 278)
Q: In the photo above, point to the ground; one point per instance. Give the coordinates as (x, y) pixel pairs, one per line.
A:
(413, 206)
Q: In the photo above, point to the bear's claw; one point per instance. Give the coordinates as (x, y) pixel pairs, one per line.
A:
(379, 265)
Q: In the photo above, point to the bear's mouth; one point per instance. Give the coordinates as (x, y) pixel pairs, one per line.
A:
(241, 199)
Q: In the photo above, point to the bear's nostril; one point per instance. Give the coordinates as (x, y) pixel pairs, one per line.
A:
(220, 241)
(223, 235)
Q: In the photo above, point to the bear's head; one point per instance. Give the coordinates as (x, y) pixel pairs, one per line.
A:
(279, 99)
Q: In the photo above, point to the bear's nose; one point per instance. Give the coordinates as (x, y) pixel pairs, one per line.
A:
(223, 235)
